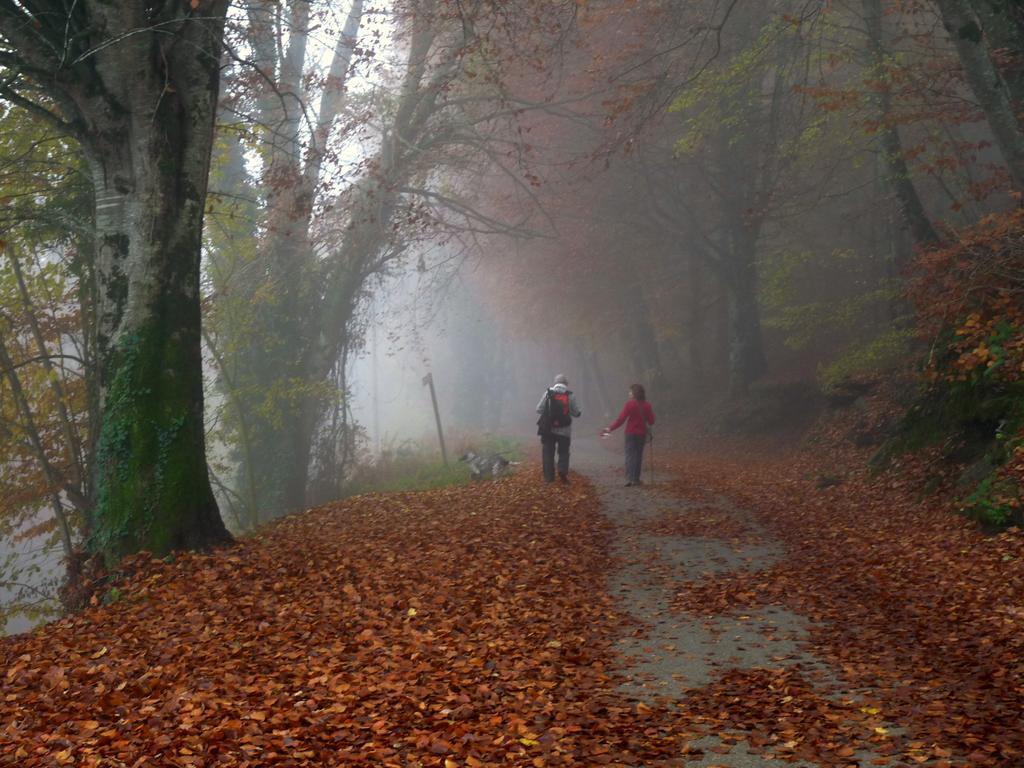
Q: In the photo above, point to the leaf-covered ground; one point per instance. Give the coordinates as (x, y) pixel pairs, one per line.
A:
(465, 626)
(473, 626)
(906, 600)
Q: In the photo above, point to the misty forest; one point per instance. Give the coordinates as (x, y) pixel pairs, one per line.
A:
(335, 337)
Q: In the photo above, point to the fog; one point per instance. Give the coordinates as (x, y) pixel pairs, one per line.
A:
(488, 376)
(731, 204)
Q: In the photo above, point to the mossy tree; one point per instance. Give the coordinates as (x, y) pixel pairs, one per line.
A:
(136, 85)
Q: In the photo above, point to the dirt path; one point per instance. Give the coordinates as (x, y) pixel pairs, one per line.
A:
(674, 654)
(476, 625)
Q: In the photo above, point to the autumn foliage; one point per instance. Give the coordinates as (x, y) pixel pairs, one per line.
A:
(968, 299)
(910, 604)
(460, 627)
(972, 288)
(472, 626)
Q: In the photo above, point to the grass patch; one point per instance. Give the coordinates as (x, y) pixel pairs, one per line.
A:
(405, 475)
(415, 466)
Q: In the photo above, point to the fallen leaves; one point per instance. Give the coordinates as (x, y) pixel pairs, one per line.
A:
(461, 626)
(466, 627)
(905, 599)
(702, 521)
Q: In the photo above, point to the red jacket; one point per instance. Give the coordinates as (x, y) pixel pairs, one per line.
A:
(637, 414)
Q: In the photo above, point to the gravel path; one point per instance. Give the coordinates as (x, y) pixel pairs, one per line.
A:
(672, 653)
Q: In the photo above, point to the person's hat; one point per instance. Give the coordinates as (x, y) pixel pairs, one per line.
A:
(561, 379)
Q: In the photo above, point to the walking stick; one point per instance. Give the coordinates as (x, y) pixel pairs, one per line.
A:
(650, 435)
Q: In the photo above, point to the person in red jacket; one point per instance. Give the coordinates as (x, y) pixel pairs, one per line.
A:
(636, 415)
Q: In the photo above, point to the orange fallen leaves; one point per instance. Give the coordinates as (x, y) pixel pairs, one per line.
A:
(471, 627)
(700, 522)
(905, 599)
(465, 626)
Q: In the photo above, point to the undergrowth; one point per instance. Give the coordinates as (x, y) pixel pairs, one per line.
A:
(418, 466)
(972, 403)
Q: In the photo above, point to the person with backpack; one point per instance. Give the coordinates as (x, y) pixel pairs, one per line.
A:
(636, 414)
(557, 409)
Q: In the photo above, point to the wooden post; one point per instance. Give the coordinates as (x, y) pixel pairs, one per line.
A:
(374, 380)
(428, 381)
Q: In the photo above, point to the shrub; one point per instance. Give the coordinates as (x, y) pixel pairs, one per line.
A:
(970, 314)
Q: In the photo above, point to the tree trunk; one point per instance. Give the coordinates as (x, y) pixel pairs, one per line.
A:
(602, 386)
(897, 173)
(300, 435)
(747, 360)
(248, 494)
(987, 84)
(497, 384)
(1003, 24)
(695, 329)
(642, 339)
(149, 164)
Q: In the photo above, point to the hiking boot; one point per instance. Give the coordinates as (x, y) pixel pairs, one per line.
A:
(629, 483)
(563, 478)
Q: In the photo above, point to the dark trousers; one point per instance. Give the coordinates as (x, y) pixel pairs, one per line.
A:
(547, 445)
(634, 456)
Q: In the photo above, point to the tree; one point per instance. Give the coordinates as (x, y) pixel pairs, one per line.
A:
(744, 122)
(430, 123)
(898, 173)
(264, 267)
(974, 46)
(1003, 23)
(46, 392)
(136, 86)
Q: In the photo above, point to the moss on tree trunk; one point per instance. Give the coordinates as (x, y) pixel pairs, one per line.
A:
(149, 161)
(154, 490)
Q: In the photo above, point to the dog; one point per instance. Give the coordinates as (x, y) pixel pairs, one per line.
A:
(485, 467)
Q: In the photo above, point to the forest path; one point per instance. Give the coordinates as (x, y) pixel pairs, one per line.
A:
(673, 656)
(485, 624)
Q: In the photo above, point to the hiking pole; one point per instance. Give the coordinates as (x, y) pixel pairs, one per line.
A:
(651, 434)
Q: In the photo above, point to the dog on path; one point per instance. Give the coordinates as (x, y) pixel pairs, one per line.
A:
(485, 467)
